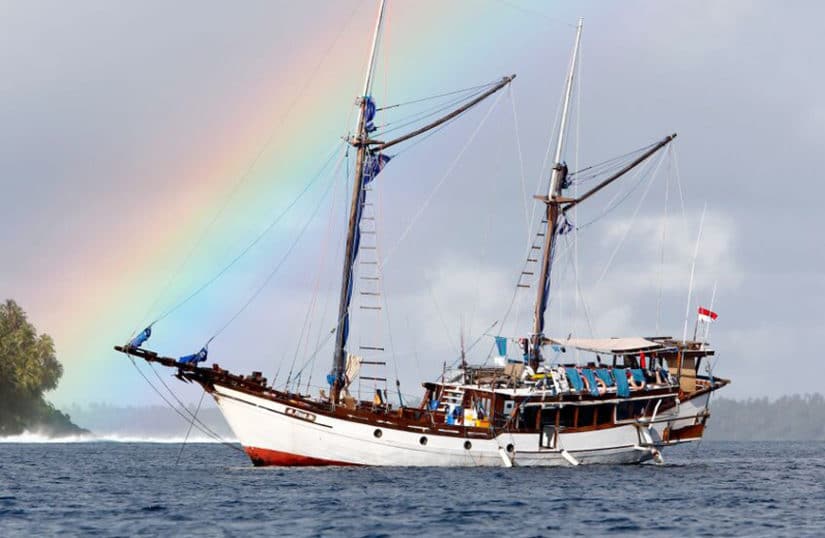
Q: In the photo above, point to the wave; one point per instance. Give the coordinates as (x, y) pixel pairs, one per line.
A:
(39, 437)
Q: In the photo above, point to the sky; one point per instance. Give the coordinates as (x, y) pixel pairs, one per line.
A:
(144, 145)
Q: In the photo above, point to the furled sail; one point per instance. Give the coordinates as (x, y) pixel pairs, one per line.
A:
(374, 163)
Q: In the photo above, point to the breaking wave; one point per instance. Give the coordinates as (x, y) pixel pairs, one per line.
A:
(39, 437)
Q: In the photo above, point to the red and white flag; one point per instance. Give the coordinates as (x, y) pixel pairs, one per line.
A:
(707, 315)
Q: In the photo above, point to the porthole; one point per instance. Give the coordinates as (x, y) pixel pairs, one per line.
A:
(423, 440)
(378, 433)
(510, 448)
(468, 445)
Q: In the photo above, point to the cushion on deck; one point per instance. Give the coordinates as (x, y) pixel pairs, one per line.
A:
(622, 388)
(604, 375)
(591, 380)
(575, 379)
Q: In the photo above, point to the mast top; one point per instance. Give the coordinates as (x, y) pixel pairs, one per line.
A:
(375, 37)
(565, 114)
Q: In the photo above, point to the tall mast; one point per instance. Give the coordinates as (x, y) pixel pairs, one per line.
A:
(552, 211)
(359, 141)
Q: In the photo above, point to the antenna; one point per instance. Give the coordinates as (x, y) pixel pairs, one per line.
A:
(692, 271)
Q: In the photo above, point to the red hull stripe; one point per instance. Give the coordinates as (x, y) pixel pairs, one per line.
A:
(262, 456)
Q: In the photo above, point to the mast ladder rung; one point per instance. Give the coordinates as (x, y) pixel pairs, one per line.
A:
(374, 378)
(535, 247)
(532, 260)
(362, 307)
(369, 278)
(372, 293)
(368, 263)
(540, 234)
(526, 273)
(367, 218)
(368, 248)
(522, 285)
(368, 232)
(370, 348)
(374, 363)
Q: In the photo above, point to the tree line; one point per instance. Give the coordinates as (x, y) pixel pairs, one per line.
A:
(800, 417)
(28, 369)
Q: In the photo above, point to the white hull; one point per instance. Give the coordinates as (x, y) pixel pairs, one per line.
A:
(685, 415)
(276, 434)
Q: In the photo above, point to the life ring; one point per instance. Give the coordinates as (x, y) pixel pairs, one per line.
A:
(602, 386)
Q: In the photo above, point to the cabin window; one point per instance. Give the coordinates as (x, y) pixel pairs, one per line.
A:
(378, 433)
(604, 414)
(484, 407)
(548, 417)
(468, 445)
(630, 410)
(567, 417)
(586, 416)
(508, 406)
(527, 418)
(423, 440)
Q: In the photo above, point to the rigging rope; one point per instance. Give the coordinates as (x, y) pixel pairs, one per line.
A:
(189, 430)
(203, 428)
(430, 98)
(613, 204)
(248, 172)
(604, 167)
(306, 328)
(652, 179)
(662, 253)
(438, 185)
(412, 119)
(281, 261)
(522, 176)
(251, 244)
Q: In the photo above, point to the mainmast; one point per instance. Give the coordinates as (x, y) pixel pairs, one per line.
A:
(360, 142)
(552, 202)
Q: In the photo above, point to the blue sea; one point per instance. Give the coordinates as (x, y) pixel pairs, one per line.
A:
(128, 488)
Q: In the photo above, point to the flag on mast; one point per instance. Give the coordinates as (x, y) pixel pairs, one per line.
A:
(707, 315)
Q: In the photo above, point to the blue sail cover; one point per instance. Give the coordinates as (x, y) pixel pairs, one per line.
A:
(369, 115)
(195, 358)
(373, 164)
(501, 346)
(144, 335)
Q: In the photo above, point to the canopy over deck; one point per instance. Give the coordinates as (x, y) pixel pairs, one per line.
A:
(609, 346)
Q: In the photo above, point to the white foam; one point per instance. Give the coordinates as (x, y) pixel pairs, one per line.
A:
(39, 437)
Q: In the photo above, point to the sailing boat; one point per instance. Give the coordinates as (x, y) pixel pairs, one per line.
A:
(529, 413)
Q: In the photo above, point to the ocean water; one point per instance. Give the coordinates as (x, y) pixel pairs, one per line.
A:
(130, 488)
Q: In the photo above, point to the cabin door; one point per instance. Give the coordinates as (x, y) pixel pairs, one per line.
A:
(549, 437)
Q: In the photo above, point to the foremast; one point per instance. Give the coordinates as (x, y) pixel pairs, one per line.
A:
(552, 201)
(359, 141)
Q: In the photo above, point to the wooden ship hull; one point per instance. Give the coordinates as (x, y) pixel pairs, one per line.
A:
(524, 427)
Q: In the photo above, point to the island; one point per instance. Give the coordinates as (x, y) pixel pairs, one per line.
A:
(28, 369)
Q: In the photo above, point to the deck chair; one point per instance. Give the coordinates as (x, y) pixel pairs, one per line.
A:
(604, 375)
(591, 381)
(575, 379)
(622, 388)
(638, 375)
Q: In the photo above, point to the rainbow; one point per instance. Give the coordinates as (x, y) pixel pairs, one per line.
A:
(104, 292)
